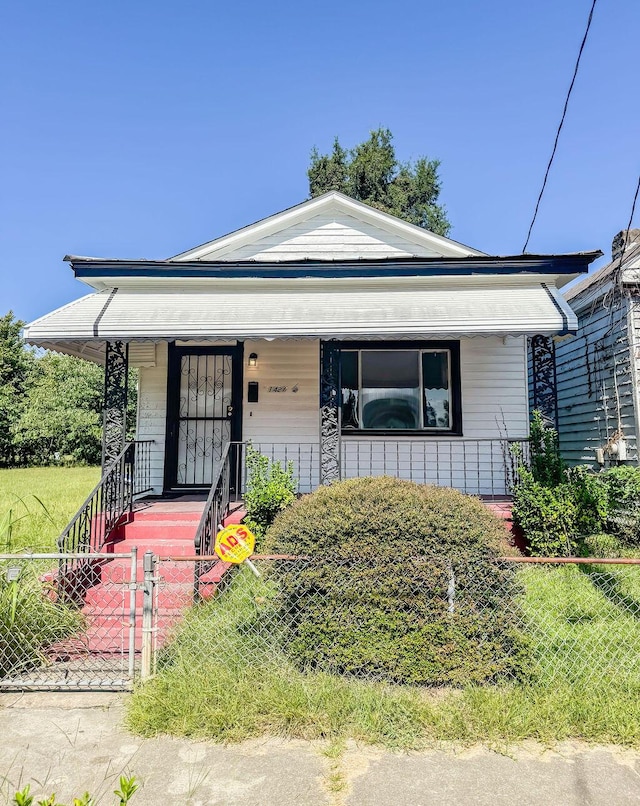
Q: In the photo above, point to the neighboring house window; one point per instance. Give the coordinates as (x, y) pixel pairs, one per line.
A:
(398, 389)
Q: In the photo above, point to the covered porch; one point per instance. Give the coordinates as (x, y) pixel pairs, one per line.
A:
(436, 394)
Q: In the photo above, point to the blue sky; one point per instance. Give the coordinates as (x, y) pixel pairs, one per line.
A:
(140, 129)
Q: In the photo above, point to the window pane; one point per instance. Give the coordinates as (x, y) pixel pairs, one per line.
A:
(390, 389)
(435, 379)
(350, 394)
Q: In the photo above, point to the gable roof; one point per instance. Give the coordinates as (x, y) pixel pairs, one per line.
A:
(597, 284)
(328, 227)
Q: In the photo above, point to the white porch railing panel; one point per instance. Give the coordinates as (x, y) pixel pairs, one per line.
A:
(474, 466)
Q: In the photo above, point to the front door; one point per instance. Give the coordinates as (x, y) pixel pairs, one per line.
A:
(203, 412)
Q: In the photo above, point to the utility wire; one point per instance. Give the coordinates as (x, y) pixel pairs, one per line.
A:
(564, 113)
(615, 276)
(633, 210)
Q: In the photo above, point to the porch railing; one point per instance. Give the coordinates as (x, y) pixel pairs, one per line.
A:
(486, 467)
(108, 503)
(214, 513)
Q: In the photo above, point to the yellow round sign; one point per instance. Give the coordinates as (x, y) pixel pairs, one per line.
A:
(234, 544)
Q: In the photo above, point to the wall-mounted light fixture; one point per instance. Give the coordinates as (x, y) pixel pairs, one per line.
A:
(253, 360)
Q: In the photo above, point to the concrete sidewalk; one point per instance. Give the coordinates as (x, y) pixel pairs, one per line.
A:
(69, 743)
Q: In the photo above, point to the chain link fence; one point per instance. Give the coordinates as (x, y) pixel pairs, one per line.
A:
(428, 622)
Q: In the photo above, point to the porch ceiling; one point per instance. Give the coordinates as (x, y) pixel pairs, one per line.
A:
(364, 312)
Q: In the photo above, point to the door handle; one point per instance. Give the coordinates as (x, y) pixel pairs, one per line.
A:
(229, 411)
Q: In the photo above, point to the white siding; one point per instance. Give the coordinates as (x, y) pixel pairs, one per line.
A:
(152, 413)
(494, 388)
(285, 424)
(328, 237)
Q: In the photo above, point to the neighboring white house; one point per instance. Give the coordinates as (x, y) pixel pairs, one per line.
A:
(330, 334)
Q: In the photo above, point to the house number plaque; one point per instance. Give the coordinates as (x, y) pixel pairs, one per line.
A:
(282, 388)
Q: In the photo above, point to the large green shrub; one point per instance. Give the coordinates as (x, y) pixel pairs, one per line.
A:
(400, 582)
(558, 507)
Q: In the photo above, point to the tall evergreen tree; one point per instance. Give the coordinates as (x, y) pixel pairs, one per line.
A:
(15, 367)
(372, 173)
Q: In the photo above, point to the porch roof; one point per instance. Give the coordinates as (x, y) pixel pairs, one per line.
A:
(336, 311)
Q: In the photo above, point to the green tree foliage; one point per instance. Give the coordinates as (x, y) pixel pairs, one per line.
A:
(50, 404)
(16, 364)
(63, 415)
(372, 173)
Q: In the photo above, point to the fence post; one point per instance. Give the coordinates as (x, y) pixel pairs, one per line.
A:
(147, 614)
(133, 589)
(451, 588)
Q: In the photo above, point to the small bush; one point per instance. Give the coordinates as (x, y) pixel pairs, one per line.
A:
(400, 584)
(622, 489)
(128, 787)
(601, 544)
(270, 489)
(589, 493)
(546, 515)
(547, 466)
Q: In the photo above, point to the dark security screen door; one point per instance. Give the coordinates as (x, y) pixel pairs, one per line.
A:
(203, 415)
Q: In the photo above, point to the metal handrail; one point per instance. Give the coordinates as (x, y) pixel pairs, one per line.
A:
(215, 507)
(106, 505)
(213, 515)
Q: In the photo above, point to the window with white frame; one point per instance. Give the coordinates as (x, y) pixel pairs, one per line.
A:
(400, 389)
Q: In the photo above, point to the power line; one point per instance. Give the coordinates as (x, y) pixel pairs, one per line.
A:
(614, 277)
(564, 113)
(633, 210)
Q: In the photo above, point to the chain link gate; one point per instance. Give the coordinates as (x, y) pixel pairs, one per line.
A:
(71, 621)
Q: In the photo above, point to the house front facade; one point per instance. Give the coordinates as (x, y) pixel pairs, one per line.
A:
(331, 335)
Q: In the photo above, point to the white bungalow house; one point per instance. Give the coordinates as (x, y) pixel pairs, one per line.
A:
(332, 335)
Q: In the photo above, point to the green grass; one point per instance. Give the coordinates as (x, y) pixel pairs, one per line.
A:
(221, 679)
(37, 503)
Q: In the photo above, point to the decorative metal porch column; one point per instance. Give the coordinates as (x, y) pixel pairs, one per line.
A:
(329, 413)
(116, 371)
(543, 362)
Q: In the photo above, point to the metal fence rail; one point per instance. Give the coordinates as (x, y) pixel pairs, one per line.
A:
(474, 466)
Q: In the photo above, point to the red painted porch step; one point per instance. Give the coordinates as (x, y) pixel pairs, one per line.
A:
(168, 530)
